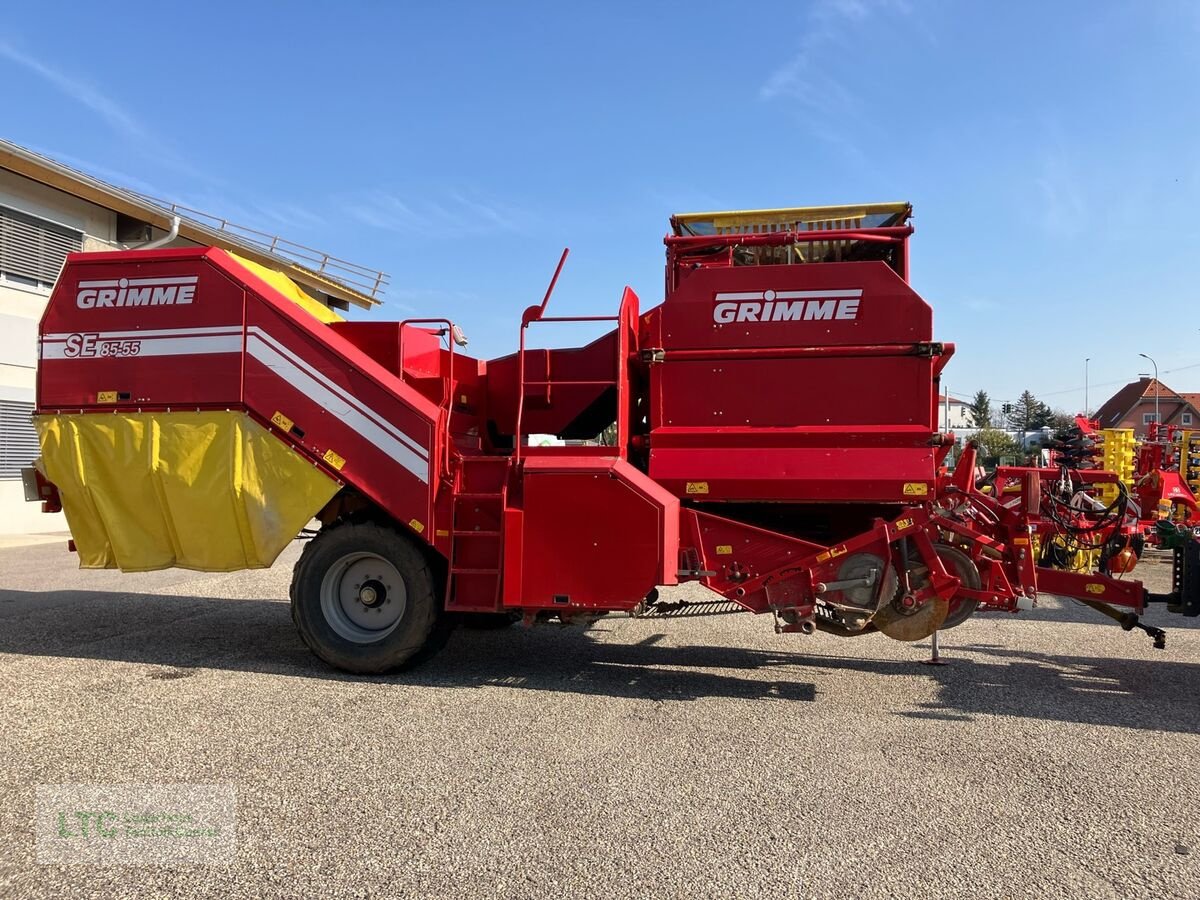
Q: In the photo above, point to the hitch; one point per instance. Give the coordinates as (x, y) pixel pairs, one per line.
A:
(1129, 621)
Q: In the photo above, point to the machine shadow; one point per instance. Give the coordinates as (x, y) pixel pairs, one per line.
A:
(176, 634)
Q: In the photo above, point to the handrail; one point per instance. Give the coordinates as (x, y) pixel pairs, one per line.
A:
(521, 382)
(892, 234)
(371, 281)
(445, 407)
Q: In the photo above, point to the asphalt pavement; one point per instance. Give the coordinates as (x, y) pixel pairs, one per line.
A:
(1055, 755)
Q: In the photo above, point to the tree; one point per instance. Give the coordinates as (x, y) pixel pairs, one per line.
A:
(1061, 422)
(1028, 413)
(993, 442)
(981, 410)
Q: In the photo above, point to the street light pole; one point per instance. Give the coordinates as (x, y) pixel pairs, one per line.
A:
(1157, 388)
(1085, 387)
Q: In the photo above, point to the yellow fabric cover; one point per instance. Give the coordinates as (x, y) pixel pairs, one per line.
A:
(289, 289)
(213, 491)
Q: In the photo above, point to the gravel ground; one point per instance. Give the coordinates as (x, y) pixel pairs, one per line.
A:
(1054, 756)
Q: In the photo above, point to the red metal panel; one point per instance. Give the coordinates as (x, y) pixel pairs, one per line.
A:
(155, 329)
(596, 534)
(362, 421)
(190, 328)
(831, 474)
(843, 304)
(788, 392)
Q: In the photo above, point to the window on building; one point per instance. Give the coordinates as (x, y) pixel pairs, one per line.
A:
(1185, 419)
(1147, 418)
(32, 250)
(18, 439)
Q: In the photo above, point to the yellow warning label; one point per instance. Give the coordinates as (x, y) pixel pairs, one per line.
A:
(724, 549)
(697, 487)
(416, 525)
(916, 489)
(904, 523)
(106, 397)
(831, 553)
(462, 398)
(442, 532)
(1095, 589)
(282, 421)
(334, 459)
(1021, 542)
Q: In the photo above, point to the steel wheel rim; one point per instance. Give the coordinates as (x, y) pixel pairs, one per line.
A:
(363, 597)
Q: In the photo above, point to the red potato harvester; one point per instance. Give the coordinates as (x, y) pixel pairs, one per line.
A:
(769, 431)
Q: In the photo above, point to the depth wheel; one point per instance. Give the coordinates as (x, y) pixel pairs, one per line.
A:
(959, 564)
(936, 614)
(363, 598)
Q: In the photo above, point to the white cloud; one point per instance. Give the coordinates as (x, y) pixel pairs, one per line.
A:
(824, 24)
(117, 117)
(453, 214)
(81, 92)
(1064, 210)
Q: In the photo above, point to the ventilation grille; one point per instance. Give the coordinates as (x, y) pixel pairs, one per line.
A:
(18, 439)
(33, 250)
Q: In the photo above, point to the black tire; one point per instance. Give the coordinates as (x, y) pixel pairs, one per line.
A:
(337, 624)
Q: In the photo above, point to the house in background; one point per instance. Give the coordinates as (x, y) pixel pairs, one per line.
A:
(954, 415)
(1133, 407)
(48, 210)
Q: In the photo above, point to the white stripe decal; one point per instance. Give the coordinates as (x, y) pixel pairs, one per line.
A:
(337, 391)
(302, 381)
(787, 295)
(201, 344)
(740, 295)
(798, 295)
(149, 333)
(141, 282)
(308, 380)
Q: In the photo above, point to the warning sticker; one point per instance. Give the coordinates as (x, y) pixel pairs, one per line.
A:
(334, 460)
(724, 549)
(697, 487)
(106, 397)
(282, 421)
(416, 525)
(916, 489)
(1095, 589)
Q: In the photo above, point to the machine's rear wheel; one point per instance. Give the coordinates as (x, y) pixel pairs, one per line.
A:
(363, 598)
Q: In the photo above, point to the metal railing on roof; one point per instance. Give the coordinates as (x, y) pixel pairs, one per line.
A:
(371, 282)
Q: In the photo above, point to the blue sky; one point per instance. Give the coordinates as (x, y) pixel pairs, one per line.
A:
(1051, 150)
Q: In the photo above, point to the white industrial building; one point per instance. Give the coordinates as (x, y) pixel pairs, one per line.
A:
(954, 414)
(48, 210)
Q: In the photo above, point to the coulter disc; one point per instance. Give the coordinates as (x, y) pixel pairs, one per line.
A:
(894, 621)
(901, 626)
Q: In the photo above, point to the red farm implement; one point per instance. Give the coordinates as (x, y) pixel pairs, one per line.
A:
(769, 431)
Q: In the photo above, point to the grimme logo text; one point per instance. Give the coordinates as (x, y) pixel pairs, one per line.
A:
(786, 306)
(172, 291)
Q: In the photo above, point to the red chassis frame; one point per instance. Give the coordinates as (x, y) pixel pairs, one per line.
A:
(771, 423)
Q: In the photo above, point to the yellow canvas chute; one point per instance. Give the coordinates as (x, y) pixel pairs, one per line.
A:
(288, 288)
(213, 491)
